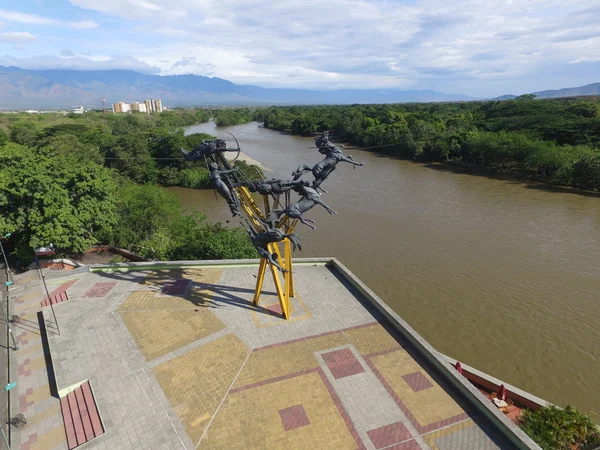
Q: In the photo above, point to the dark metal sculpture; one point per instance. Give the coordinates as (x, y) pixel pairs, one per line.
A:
(210, 147)
(223, 188)
(310, 198)
(261, 241)
(321, 170)
(271, 229)
(273, 186)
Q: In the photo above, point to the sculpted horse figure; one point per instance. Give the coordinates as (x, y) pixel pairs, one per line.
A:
(262, 240)
(223, 189)
(309, 198)
(321, 170)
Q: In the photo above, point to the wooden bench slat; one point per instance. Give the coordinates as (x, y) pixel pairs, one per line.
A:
(92, 409)
(79, 432)
(83, 411)
(68, 420)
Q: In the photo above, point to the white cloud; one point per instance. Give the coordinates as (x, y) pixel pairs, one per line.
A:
(78, 62)
(84, 24)
(15, 16)
(474, 46)
(17, 36)
(34, 19)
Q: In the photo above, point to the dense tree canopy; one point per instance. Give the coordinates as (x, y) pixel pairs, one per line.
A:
(553, 140)
(70, 181)
(49, 198)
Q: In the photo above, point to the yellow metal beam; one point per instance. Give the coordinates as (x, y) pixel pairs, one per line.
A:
(259, 280)
(256, 217)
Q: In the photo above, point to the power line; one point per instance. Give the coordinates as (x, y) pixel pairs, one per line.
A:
(278, 156)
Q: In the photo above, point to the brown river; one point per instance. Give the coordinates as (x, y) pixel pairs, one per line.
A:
(499, 274)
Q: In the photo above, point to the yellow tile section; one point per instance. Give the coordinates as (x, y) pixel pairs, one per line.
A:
(371, 339)
(277, 361)
(148, 300)
(36, 364)
(160, 277)
(50, 439)
(332, 340)
(199, 297)
(249, 419)
(431, 437)
(35, 349)
(157, 333)
(204, 276)
(196, 382)
(427, 406)
(53, 410)
(39, 394)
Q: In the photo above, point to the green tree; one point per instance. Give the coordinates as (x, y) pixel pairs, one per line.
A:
(133, 159)
(50, 199)
(24, 133)
(71, 148)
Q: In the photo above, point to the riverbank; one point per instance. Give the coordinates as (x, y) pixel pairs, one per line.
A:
(553, 140)
(253, 162)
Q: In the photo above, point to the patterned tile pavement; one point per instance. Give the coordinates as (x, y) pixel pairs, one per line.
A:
(183, 359)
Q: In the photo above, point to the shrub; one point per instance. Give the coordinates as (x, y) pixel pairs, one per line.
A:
(553, 428)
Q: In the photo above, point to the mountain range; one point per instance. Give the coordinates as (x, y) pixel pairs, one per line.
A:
(53, 89)
(587, 90)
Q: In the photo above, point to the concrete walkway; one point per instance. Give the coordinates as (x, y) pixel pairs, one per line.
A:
(44, 429)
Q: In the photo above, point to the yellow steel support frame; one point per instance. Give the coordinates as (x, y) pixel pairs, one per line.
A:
(284, 290)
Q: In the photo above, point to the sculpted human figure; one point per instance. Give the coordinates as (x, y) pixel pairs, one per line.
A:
(207, 148)
(223, 189)
(321, 170)
(309, 198)
(262, 240)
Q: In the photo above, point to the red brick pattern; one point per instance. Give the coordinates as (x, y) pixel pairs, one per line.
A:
(81, 417)
(342, 363)
(56, 265)
(417, 381)
(23, 402)
(55, 299)
(99, 290)
(63, 287)
(389, 434)
(293, 417)
(22, 369)
(276, 308)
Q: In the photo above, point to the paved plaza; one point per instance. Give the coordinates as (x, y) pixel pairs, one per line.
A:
(181, 358)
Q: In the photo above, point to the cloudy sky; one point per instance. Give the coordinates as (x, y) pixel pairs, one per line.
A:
(475, 47)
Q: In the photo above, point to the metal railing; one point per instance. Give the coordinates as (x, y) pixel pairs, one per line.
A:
(9, 345)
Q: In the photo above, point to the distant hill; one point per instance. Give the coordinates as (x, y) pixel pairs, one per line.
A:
(589, 89)
(505, 97)
(25, 89)
(581, 91)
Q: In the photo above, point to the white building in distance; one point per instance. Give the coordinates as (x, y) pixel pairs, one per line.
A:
(148, 106)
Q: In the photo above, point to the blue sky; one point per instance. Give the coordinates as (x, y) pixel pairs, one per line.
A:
(476, 47)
